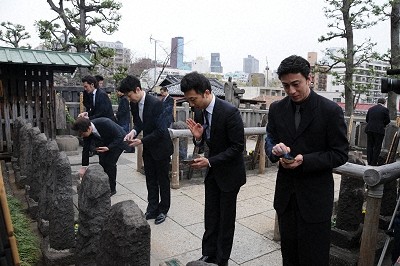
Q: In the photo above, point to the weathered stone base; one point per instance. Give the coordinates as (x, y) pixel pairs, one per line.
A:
(20, 180)
(68, 143)
(346, 239)
(349, 257)
(54, 257)
(342, 257)
(33, 207)
(43, 226)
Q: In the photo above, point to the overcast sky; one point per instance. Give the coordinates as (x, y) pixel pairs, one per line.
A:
(266, 29)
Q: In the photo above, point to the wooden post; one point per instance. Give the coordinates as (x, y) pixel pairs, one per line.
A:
(175, 165)
(8, 221)
(277, 234)
(350, 127)
(81, 102)
(261, 162)
(370, 230)
(139, 152)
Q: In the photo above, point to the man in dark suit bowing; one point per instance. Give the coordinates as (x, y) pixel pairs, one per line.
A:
(97, 104)
(147, 112)
(221, 127)
(107, 138)
(377, 119)
(310, 129)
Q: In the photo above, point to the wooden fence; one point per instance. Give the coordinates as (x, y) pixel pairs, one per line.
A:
(26, 92)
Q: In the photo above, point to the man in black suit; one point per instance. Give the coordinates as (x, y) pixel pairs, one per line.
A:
(147, 112)
(220, 126)
(168, 105)
(107, 138)
(88, 98)
(98, 104)
(377, 119)
(310, 129)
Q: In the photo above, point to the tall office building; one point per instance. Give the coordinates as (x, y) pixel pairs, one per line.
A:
(177, 52)
(215, 63)
(250, 65)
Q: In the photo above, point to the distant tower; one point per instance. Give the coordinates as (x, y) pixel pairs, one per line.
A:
(215, 63)
(250, 65)
(177, 52)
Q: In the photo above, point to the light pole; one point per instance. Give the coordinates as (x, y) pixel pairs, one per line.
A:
(155, 59)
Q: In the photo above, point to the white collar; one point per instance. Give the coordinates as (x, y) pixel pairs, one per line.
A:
(210, 107)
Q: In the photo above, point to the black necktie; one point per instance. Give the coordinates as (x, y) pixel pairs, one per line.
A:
(297, 116)
(206, 126)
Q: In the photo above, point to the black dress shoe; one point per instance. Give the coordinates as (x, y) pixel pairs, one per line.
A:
(113, 192)
(150, 215)
(160, 218)
(208, 259)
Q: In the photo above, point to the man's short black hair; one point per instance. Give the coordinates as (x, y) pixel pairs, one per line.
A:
(99, 78)
(198, 82)
(164, 89)
(294, 64)
(90, 80)
(81, 124)
(381, 100)
(130, 83)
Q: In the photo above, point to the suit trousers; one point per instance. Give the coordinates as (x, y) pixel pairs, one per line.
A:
(108, 160)
(302, 243)
(158, 184)
(219, 221)
(374, 146)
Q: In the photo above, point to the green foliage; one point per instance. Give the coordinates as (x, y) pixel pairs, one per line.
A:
(77, 19)
(14, 34)
(114, 98)
(120, 74)
(27, 241)
(103, 56)
(70, 119)
(344, 17)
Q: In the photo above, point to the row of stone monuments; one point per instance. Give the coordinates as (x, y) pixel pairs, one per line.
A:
(105, 235)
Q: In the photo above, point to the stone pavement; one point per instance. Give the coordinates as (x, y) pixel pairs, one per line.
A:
(180, 235)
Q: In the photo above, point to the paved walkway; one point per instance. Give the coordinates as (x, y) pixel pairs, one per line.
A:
(180, 235)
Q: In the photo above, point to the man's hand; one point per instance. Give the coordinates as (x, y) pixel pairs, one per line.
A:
(82, 171)
(195, 128)
(298, 160)
(102, 149)
(130, 136)
(280, 149)
(200, 162)
(84, 114)
(134, 142)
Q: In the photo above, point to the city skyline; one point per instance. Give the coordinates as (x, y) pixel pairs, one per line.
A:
(268, 30)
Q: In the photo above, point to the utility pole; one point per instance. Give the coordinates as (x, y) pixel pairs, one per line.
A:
(155, 58)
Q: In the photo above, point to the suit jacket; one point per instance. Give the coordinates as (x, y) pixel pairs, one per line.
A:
(377, 119)
(123, 114)
(112, 136)
(321, 139)
(156, 139)
(168, 105)
(102, 107)
(226, 146)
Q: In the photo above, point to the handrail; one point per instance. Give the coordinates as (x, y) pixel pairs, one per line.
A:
(182, 133)
(375, 177)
